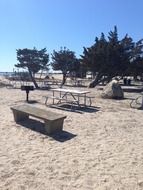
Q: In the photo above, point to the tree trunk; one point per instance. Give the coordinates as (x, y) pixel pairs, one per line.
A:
(95, 81)
(33, 79)
(64, 79)
(41, 74)
(99, 78)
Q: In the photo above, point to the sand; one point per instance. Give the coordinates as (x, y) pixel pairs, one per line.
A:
(101, 148)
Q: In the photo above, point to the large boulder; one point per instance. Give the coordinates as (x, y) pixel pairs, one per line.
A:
(113, 90)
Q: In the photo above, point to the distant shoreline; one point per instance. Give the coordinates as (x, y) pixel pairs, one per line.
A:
(6, 73)
(12, 73)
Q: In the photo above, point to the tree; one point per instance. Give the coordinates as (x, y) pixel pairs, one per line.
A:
(95, 58)
(136, 63)
(65, 61)
(108, 58)
(33, 60)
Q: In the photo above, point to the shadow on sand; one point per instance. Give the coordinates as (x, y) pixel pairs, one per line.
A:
(38, 126)
(137, 88)
(75, 108)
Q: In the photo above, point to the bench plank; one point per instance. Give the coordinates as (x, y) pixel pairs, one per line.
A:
(53, 121)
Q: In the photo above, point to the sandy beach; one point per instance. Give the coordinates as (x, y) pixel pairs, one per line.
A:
(101, 148)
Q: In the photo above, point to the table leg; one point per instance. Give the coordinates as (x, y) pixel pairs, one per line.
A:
(78, 100)
(27, 94)
(53, 97)
(60, 97)
(85, 99)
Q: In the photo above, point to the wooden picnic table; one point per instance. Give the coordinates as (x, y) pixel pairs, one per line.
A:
(70, 96)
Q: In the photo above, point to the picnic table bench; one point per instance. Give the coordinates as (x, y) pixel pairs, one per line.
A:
(53, 121)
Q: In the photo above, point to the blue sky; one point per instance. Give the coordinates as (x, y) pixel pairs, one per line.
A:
(58, 23)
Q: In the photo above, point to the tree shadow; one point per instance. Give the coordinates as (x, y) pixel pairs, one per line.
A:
(44, 88)
(134, 89)
(140, 108)
(128, 98)
(38, 126)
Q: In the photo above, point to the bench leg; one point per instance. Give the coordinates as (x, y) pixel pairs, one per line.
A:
(54, 126)
(19, 116)
(46, 100)
(90, 102)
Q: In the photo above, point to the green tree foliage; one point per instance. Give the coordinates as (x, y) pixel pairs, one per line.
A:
(65, 61)
(33, 60)
(136, 65)
(111, 57)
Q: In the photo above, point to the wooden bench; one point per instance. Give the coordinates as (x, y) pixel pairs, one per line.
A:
(53, 121)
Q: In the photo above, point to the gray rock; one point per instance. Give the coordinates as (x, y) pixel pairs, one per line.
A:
(113, 90)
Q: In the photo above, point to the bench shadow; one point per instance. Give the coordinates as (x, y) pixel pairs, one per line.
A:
(63, 136)
(75, 108)
(38, 126)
